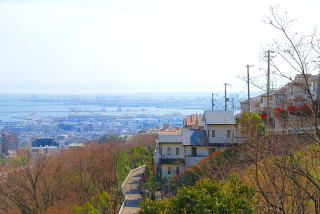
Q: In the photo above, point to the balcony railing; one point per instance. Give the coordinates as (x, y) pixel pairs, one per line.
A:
(171, 161)
(198, 156)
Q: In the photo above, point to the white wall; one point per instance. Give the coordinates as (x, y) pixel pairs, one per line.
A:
(156, 156)
(265, 102)
(164, 151)
(202, 151)
(244, 107)
(190, 161)
(164, 170)
(221, 134)
(298, 93)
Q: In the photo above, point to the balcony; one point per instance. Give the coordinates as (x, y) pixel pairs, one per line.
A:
(171, 161)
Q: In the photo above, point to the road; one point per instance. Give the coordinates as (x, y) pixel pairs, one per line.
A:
(131, 191)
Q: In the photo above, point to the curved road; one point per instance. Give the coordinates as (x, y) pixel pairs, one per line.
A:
(131, 190)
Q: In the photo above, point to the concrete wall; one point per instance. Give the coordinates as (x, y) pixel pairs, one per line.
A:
(264, 102)
(202, 151)
(190, 161)
(297, 94)
(315, 89)
(244, 106)
(156, 156)
(221, 133)
(164, 151)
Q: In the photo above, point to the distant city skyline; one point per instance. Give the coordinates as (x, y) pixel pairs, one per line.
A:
(65, 46)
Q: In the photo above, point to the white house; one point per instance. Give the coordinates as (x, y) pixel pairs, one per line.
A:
(176, 151)
(220, 128)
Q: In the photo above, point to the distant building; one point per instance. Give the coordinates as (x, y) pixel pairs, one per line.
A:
(8, 143)
(194, 121)
(46, 150)
(75, 145)
(41, 142)
(166, 125)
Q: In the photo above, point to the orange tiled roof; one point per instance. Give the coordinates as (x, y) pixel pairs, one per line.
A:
(174, 130)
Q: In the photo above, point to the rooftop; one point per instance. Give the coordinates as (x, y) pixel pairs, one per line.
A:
(192, 137)
(219, 118)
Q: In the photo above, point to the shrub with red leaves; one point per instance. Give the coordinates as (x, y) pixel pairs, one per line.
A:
(280, 112)
(292, 109)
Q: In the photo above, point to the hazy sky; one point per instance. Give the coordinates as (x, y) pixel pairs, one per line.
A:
(135, 45)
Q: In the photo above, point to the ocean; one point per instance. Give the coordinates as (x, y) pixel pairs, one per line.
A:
(22, 107)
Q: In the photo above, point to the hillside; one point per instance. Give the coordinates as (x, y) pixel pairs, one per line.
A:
(282, 169)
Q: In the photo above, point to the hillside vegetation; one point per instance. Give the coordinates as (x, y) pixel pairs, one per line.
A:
(79, 180)
(282, 170)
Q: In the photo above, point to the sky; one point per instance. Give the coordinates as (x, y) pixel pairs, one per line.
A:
(124, 46)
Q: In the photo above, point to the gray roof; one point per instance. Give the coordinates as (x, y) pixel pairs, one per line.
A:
(219, 118)
(170, 138)
(188, 137)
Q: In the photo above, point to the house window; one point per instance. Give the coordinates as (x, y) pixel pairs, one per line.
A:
(228, 133)
(194, 151)
(212, 150)
(169, 170)
(213, 133)
(177, 170)
(169, 151)
(177, 151)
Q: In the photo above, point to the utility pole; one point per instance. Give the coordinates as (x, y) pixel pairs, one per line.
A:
(268, 90)
(225, 96)
(212, 104)
(232, 104)
(212, 100)
(248, 84)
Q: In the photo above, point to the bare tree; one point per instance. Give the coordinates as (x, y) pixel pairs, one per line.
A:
(286, 163)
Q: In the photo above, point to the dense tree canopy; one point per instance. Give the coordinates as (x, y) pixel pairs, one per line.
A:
(206, 196)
